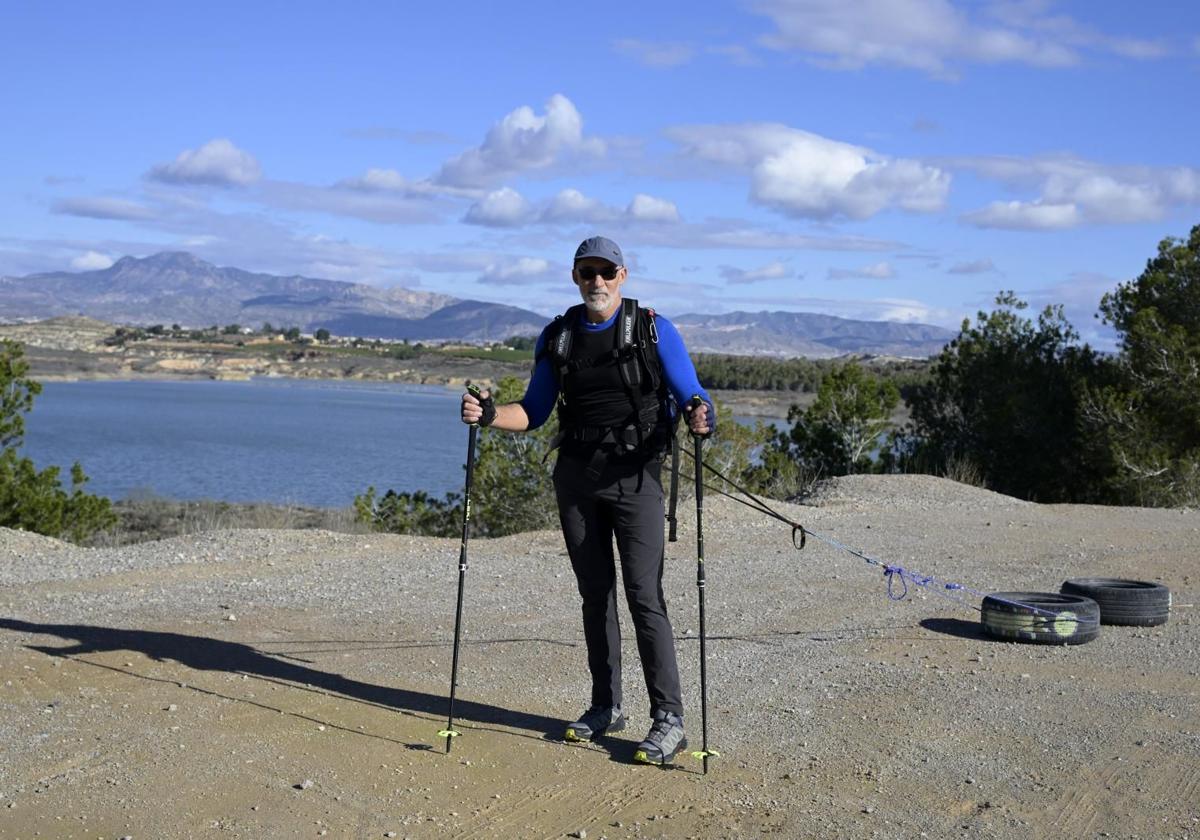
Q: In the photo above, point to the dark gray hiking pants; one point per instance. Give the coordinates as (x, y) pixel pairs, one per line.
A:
(626, 502)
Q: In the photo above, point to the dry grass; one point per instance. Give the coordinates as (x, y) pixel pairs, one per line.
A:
(153, 518)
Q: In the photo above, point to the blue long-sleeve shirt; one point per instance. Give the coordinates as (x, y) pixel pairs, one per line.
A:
(678, 371)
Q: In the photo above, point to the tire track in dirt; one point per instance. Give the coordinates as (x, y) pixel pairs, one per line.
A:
(1099, 800)
(538, 809)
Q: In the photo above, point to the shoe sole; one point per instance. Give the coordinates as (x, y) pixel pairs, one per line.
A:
(616, 726)
(642, 757)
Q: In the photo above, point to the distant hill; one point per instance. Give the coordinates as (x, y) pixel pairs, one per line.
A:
(179, 288)
(790, 334)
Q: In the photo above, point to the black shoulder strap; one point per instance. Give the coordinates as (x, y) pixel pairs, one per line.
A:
(558, 341)
(631, 371)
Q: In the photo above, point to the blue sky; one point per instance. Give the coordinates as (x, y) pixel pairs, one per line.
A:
(893, 159)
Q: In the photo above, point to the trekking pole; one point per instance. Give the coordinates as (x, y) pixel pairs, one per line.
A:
(671, 535)
(449, 732)
(698, 442)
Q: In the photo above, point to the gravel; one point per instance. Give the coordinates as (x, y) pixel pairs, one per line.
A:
(836, 710)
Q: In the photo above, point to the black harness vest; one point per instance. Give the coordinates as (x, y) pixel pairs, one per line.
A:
(612, 395)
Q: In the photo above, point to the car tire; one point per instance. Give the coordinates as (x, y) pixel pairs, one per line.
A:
(1048, 618)
(1131, 602)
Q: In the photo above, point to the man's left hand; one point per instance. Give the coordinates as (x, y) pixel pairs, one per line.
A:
(698, 420)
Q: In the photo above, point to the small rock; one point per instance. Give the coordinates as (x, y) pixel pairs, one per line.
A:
(389, 834)
(305, 785)
(172, 708)
(970, 780)
(869, 809)
(321, 728)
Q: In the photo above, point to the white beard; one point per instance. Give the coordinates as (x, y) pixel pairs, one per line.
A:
(597, 300)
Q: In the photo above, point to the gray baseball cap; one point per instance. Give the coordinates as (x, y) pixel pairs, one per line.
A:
(599, 246)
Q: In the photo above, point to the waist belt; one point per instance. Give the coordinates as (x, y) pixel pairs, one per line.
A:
(606, 440)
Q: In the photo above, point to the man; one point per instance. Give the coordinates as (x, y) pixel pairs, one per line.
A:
(612, 369)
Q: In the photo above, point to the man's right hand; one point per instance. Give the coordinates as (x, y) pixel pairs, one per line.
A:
(478, 410)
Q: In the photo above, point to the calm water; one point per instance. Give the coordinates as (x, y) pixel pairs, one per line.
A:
(284, 441)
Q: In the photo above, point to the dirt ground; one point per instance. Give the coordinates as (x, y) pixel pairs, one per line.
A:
(269, 684)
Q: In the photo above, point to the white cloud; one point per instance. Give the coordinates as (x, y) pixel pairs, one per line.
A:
(806, 175)
(983, 266)
(655, 54)
(504, 207)
(377, 205)
(647, 208)
(217, 162)
(570, 205)
(383, 180)
(519, 272)
(907, 311)
(103, 208)
(521, 142)
(738, 54)
(1074, 192)
(724, 234)
(91, 261)
(875, 271)
(1133, 48)
(1025, 215)
(936, 35)
(771, 271)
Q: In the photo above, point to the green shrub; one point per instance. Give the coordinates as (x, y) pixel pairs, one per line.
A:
(34, 500)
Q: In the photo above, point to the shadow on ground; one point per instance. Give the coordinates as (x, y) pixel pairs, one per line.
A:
(202, 653)
(957, 627)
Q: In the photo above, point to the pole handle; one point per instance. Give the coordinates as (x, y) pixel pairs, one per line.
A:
(695, 402)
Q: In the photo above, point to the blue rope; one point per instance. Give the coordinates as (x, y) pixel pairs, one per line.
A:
(944, 588)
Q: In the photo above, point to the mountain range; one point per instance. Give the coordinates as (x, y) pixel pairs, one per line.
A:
(179, 288)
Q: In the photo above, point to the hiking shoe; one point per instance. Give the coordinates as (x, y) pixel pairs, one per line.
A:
(595, 722)
(664, 741)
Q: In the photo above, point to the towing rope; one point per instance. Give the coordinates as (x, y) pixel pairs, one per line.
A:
(891, 572)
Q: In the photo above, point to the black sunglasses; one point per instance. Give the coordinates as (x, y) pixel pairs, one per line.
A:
(589, 272)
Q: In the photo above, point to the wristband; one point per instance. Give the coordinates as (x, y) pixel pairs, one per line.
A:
(489, 411)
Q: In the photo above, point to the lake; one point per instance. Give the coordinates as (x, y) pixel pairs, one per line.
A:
(308, 442)
(304, 442)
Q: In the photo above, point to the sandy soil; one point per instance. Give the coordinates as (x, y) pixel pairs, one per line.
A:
(267, 684)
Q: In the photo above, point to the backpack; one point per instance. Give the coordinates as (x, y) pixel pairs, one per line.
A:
(635, 353)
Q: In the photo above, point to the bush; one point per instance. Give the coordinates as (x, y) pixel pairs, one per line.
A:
(35, 501)
(30, 499)
(512, 490)
(839, 433)
(1145, 414)
(1004, 403)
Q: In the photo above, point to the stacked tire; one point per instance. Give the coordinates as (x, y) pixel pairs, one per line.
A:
(1130, 602)
(1048, 618)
